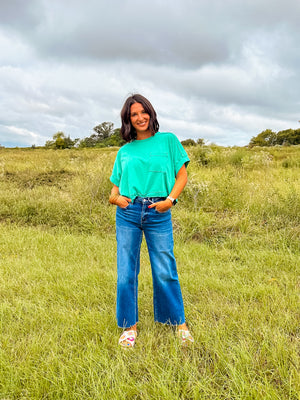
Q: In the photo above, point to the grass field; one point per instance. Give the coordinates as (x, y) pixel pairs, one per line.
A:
(237, 231)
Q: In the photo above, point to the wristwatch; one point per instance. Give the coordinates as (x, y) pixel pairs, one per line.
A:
(174, 201)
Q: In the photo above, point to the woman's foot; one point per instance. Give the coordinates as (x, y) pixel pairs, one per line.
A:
(184, 335)
(127, 339)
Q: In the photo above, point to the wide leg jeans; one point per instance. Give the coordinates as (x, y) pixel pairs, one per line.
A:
(131, 223)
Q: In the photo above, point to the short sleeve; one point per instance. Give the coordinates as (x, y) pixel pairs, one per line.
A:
(179, 155)
(117, 171)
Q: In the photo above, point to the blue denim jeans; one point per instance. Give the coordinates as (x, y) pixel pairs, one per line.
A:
(131, 223)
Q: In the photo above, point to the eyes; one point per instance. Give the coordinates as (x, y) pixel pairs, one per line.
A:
(134, 114)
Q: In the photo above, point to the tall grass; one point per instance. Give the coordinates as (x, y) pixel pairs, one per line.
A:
(237, 248)
(59, 189)
(238, 190)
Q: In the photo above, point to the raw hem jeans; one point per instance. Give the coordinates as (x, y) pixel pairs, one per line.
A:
(131, 222)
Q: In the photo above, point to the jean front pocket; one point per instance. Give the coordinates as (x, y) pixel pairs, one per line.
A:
(163, 212)
(125, 208)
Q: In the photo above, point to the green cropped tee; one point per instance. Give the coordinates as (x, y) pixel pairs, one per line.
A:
(148, 167)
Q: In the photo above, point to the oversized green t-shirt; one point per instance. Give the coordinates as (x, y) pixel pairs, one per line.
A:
(147, 168)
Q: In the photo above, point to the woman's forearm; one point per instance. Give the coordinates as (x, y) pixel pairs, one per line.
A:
(117, 199)
(115, 190)
(181, 181)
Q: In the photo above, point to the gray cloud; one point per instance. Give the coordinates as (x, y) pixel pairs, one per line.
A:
(181, 33)
(219, 70)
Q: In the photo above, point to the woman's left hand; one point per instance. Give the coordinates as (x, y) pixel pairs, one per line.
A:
(162, 206)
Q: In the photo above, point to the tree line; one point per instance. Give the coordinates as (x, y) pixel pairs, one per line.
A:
(267, 137)
(105, 135)
(287, 137)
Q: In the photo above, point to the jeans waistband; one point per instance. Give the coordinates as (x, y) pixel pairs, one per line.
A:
(148, 199)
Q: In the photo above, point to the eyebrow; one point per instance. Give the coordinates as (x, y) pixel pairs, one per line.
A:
(132, 113)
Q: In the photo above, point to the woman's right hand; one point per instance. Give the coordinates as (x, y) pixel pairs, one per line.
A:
(123, 201)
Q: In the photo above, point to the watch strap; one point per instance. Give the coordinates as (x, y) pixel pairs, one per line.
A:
(174, 201)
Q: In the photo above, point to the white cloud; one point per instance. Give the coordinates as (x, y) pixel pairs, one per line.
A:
(22, 132)
(15, 135)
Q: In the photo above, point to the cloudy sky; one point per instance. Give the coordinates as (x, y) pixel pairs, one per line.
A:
(222, 70)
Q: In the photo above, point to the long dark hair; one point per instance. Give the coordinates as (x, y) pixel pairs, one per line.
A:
(128, 133)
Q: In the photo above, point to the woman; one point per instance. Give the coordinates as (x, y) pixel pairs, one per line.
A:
(149, 174)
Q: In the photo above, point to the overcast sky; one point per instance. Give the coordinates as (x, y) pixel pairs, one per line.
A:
(222, 70)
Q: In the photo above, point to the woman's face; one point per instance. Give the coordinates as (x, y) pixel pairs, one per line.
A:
(139, 118)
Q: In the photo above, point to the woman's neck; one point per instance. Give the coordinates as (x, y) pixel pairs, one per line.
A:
(143, 135)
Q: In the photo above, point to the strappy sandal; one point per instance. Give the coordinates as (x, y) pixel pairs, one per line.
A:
(127, 339)
(185, 337)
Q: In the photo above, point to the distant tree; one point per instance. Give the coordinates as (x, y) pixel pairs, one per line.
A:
(104, 130)
(297, 136)
(188, 142)
(49, 144)
(201, 142)
(104, 136)
(283, 137)
(265, 138)
(115, 139)
(288, 137)
(269, 138)
(60, 141)
(90, 141)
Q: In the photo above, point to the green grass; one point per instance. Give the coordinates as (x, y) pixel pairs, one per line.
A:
(237, 248)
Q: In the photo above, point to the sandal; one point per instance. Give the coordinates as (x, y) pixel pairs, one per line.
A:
(185, 337)
(127, 339)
